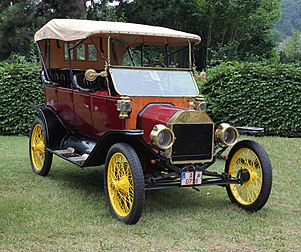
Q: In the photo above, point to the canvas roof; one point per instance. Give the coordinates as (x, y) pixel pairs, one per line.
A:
(76, 29)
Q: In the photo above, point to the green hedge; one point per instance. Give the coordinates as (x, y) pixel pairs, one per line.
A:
(20, 85)
(249, 94)
(243, 94)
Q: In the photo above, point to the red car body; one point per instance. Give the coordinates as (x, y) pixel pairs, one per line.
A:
(145, 121)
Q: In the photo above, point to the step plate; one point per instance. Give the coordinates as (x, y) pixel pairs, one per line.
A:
(70, 155)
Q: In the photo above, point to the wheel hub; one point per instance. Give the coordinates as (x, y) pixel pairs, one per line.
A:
(113, 185)
(122, 184)
(254, 176)
(245, 176)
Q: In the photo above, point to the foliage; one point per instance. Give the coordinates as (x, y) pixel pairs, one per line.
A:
(291, 18)
(231, 29)
(49, 9)
(248, 94)
(19, 20)
(171, 13)
(103, 11)
(17, 26)
(5, 3)
(237, 30)
(291, 48)
(19, 86)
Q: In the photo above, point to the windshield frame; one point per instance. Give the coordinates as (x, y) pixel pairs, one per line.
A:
(157, 69)
(189, 44)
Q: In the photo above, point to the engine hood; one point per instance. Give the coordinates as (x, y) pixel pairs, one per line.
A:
(154, 114)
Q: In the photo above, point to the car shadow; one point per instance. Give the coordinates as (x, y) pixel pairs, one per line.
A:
(180, 199)
(88, 180)
(91, 184)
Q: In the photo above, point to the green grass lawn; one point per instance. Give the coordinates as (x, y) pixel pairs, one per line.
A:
(66, 210)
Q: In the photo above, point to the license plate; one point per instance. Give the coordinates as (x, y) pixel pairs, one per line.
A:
(191, 178)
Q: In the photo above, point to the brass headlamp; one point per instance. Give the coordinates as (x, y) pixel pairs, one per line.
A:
(226, 135)
(162, 137)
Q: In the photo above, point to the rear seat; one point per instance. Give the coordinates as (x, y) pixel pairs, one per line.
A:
(59, 76)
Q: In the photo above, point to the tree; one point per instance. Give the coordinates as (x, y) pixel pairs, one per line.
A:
(61, 9)
(230, 29)
(291, 18)
(237, 30)
(177, 14)
(19, 20)
(17, 26)
(291, 48)
(101, 10)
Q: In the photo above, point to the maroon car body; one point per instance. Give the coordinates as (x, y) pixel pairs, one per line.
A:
(108, 100)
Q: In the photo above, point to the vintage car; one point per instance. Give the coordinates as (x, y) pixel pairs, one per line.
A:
(124, 95)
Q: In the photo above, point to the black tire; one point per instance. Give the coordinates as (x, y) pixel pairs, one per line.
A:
(249, 161)
(124, 183)
(40, 158)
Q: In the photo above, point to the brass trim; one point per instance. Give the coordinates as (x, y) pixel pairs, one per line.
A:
(191, 161)
(152, 68)
(91, 74)
(190, 117)
(109, 68)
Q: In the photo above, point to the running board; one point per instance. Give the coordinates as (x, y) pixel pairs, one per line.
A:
(70, 155)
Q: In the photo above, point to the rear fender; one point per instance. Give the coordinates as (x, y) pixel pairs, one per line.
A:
(56, 130)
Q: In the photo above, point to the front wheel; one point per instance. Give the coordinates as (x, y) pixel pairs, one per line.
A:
(124, 183)
(249, 163)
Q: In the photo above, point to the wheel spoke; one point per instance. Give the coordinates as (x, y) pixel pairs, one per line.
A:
(120, 184)
(247, 161)
(240, 164)
(37, 147)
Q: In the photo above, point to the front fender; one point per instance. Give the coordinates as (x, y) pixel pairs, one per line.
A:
(131, 137)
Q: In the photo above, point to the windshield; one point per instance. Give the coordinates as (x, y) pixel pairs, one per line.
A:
(153, 82)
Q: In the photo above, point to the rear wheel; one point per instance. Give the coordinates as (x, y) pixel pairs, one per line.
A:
(124, 183)
(40, 158)
(249, 162)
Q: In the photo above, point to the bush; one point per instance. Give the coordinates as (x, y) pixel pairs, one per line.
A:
(242, 94)
(20, 85)
(250, 94)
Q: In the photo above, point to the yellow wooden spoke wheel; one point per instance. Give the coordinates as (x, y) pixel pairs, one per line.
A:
(40, 158)
(37, 147)
(249, 163)
(124, 183)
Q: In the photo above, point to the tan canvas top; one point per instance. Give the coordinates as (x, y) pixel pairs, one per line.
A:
(75, 29)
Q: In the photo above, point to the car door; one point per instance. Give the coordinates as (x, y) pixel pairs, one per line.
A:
(83, 113)
(104, 114)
